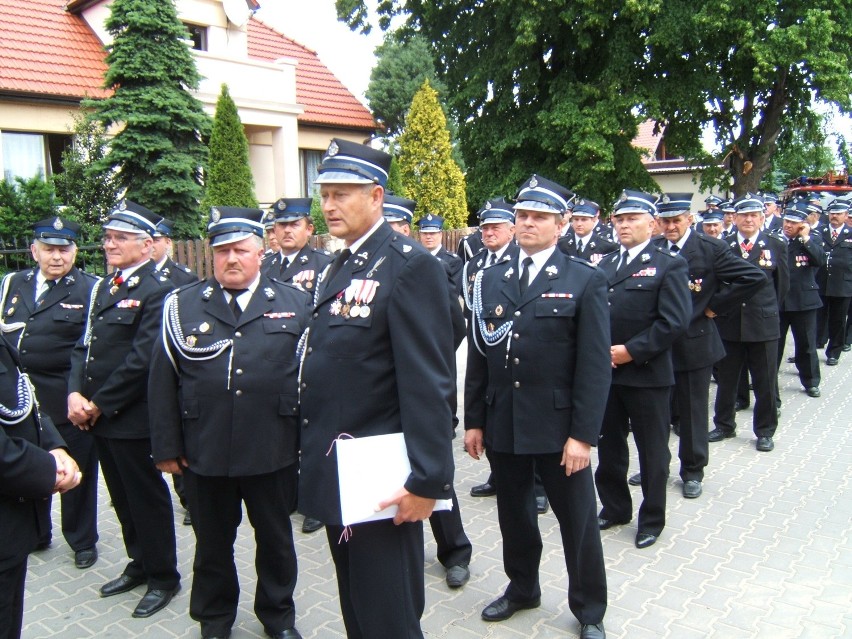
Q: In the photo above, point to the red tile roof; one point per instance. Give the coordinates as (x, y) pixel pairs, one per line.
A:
(48, 51)
(647, 139)
(326, 100)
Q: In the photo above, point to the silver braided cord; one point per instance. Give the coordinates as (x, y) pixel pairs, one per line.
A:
(26, 400)
(172, 329)
(87, 336)
(4, 292)
(491, 338)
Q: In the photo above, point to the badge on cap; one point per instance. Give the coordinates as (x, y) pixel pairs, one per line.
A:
(533, 182)
(215, 215)
(488, 206)
(122, 206)
(332, 149)
(57, 224)
(623, 196)
(281, 206)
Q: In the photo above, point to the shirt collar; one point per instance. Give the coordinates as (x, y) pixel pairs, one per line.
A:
(353, 248)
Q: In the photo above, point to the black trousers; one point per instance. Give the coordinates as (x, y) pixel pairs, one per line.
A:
(380, 578)
(143, 505)
(12, 581)
(803, 324)
(761, 358)
(646, 412)
(573, 502)
(216, 507)
(837, 312)
(539, 486)
(692, 396)
(80, 506)
(454, 548)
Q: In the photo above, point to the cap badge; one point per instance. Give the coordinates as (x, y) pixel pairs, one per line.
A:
(665, 199)
(623, 196)
(57, 224)
(581, 202)
(122, 206)
(215, 215)
(488, 205)
(533, 182)
(332, 149)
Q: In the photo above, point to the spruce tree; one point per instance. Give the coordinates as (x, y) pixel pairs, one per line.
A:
(159, 150)
(428, 172)
(229, 181)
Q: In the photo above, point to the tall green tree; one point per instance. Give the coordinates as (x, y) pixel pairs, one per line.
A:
(802, 150)
(426, 167)
(87, 192)
(24, 201)
(159, 150)
(229, 181)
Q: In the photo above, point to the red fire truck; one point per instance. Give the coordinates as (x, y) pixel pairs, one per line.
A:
(827, 187)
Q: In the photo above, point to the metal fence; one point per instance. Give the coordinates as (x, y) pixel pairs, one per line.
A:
(15, 255)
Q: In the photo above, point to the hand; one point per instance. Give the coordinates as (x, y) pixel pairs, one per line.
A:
(173, 466)
(78, 410)
(411, 508)
(68, 474)
(575, 456)
(473, 442)
(619, 355)
(709, 313)
(805, 232)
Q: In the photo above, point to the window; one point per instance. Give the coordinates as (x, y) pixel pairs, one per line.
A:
(28, 155)
(310, 161)
(197, 35)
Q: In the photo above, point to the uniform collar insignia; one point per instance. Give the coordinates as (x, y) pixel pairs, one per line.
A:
(165, 271)
(207, 293)
(508, 273)
(406, 248)
(645, 258)
(270, 294)
(133, 281)
(761, 243)
(303, 259)
(479, 263)
(592, 244)
(364, 254)
(69, 279)
(30, 275)
(552, 271)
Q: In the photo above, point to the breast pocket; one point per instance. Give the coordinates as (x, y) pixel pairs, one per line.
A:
(282, 336)
(347, 336)
(554, 319)
(70, 315)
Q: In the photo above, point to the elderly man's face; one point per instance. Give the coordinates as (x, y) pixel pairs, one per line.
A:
(54, 261)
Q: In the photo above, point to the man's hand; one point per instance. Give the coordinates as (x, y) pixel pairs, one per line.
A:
(473, 442)
(619, 355)
(709, 313)
(411, 507)
(173, 466)
(68, 474)
(81, 412)
(575, 456)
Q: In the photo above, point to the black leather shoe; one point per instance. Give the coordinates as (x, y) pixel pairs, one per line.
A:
(502, 608)
(813, 391)
(606, 524)
(225, 635)
(457, 576)
(764, 444)
(643, 540)
(846, 348)
(741, 405)
(831, 361)
(691, 488)
(86, 558)
(635, 480)
(311, 525)
(288, 633)
(483, 490)
(43, 545)
(717, 435)
(187, 519)
(121, 584)
(154, 600)
(592, 631)
(542, 505)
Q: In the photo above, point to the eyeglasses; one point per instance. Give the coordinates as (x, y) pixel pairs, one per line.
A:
(119, 239)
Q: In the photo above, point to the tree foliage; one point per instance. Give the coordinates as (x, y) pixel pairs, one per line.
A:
(229, 181)
(87, 192)
(427, 170)
(24, 201)
(159, 151)
(802, 150)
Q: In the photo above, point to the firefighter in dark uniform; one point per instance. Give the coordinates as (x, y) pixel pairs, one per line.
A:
(538, 360)
(295, 262)
(431, 235)
(469, 246)
(750, 331)
(43, 313)
(586, 239)
(377, 360)
(224, 395)
(805, 256)
(33, 465)
(107, 395)
(836, 279)
(649, 310)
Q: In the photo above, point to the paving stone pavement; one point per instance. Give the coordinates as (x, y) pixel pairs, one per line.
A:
(766, 551)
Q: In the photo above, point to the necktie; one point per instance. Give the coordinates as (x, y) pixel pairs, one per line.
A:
(525, 276)
(117, 278)
(674, 248)
(338, 263)
(579, 246)
(49, 284)
(492, 258)
(746, 245)
(285, 264)
(236, 309)
(621, 262)
(833, 235)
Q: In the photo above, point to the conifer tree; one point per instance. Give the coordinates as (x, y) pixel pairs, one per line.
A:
(159, 150)
(427, 170)
(229, 181)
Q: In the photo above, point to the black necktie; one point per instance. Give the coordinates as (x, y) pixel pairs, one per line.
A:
(50, 284)
(622, 262)
(834, 235)
(338, 263)
(525, 276)
(674, 248)
(285, 264)
(236, 309)
(492, 258)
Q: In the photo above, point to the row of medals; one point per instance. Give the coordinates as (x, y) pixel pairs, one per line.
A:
(761, 261)
(349, 310)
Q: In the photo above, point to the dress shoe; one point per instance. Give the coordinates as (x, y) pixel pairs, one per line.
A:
(635, 480)
(541, 504)
(717, 435)
(691, 488)
(606, 524)
(483, 490)
(643, 540)
(457, 576)
(791, 359)
(503, 608)
(86, 558)
(831, 361)
(226, 635)
(741, 405)
(287, 633)
(311, 525)
(813, 391)
(765, 444)
(846, 348)
(43, 545)
(123, 583)
(187, 519)
(592, 631)
(154, 600)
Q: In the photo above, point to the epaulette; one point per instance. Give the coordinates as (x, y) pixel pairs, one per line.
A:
(185, 269)
(189, 287)
(666, 252)
(405, 246)
(580, 260)
(320, 251)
